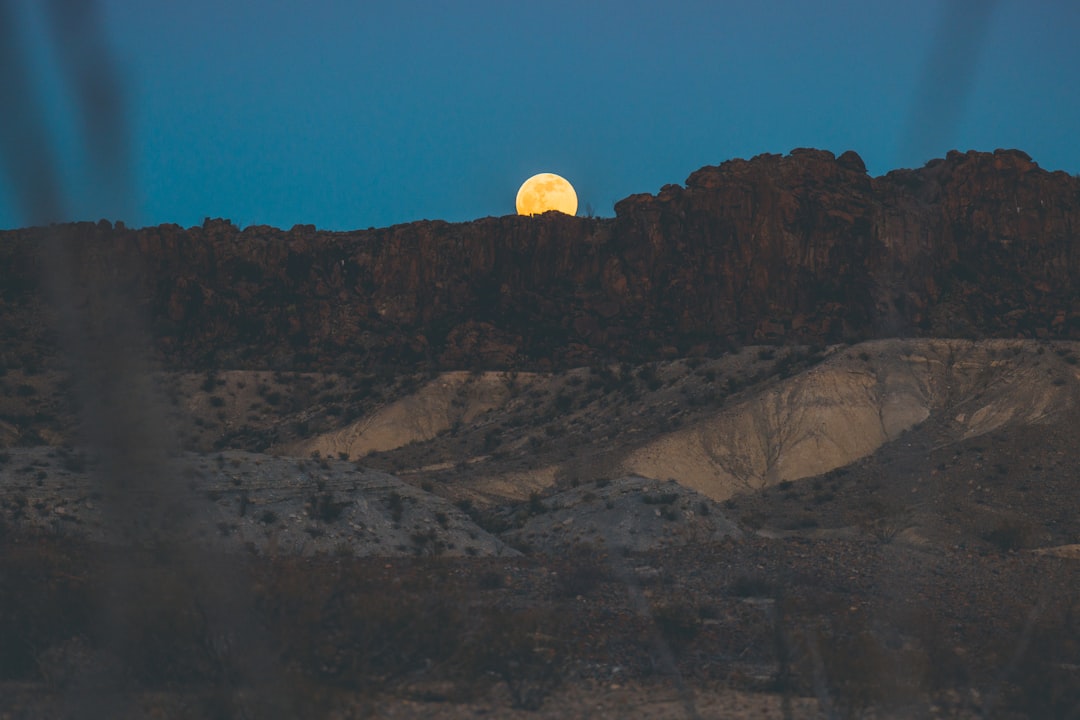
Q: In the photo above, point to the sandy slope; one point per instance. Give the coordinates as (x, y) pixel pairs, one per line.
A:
(453, 397)
(853, 403)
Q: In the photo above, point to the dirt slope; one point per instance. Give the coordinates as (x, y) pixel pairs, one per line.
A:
(853, 403)
(449, 399)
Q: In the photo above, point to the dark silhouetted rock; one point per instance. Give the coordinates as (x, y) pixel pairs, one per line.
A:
(799, 248)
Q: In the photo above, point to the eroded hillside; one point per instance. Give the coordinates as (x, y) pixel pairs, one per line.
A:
(743, 421)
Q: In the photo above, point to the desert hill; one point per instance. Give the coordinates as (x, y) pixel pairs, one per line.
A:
(909, 504)
(727, 427)
(802, 248)
(786, 440)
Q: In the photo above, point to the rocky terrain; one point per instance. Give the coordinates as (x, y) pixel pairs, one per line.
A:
(803, 248)
(788, 441)
(933, 511)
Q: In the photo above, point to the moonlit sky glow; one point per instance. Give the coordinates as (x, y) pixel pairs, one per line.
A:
(348, 114)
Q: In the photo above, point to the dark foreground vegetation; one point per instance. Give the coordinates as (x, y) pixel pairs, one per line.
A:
(857, 625)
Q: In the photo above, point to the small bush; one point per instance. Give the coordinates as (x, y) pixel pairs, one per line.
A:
(490, 580)
(1008, 535)
(536, 505)
(659, 498)
(678, 622)
(524, 649)
(581, 574)
(325, 508)
(752, 586)
(396, 504)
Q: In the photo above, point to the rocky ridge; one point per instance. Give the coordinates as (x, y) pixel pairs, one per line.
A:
(799, 248)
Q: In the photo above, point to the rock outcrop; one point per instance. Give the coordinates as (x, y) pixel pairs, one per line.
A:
(805, 247)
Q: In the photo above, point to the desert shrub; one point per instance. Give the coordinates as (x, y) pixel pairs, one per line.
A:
(678, 622)
(426, 543)
(885, 523)
(856, 670)
(167, 638)
(73, 461)
(553, 430)
(1008, 535)
(659, 498)
(753, 585)
(581, 573)
(492, 439)
(45, 599)
(564, 403)
(753, 520)
(525, 649)
(396, 504)
(536, 504)
(325, 508)
(1045, 682)
(490, 580)
(802, 521)
(347, 630)
(170, 638)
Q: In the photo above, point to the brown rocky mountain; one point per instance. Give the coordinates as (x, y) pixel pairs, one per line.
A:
(801, 248)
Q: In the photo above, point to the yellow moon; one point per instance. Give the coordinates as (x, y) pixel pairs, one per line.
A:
(546, 191)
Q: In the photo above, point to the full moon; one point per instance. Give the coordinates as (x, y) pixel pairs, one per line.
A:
(546, 191)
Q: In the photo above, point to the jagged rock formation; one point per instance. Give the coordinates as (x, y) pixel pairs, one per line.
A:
(805, 247)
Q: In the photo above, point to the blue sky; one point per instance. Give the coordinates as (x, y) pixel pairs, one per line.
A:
(350, 114)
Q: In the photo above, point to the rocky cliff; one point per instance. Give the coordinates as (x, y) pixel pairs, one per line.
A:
(802, 248)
